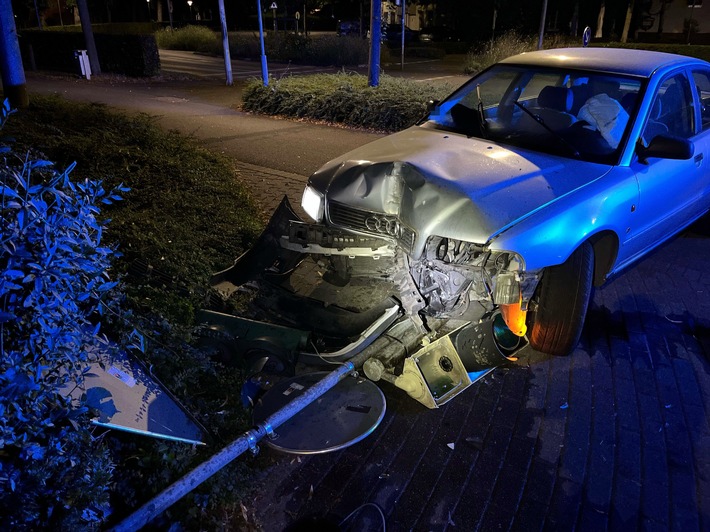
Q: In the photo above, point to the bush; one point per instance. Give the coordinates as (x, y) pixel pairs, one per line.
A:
(190, 38)
(187, 215)
(509, 44)
(128, 54)
(324, 50)
(54, 285)
(345, 98)
(327, 50)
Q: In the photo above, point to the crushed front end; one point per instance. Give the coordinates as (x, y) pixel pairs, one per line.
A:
(388, 275)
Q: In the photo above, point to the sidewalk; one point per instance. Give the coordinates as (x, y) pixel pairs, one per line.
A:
(615, 436)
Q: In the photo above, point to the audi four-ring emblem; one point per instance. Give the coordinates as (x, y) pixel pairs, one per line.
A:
(383, 225)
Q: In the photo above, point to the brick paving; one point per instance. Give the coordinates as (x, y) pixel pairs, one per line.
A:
(615, 436)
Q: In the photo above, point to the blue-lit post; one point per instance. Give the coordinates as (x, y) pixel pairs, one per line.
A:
(373, 78)
(225, 43)
(13, 74)
(264, 68)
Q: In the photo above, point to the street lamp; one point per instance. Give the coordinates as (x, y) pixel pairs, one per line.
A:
(189, 4)
(148, 3)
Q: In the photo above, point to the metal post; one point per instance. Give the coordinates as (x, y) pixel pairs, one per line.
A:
(197, 476)
(404, 15)
(13, 74)
(225, 43)
(373, 79)
(264, 67)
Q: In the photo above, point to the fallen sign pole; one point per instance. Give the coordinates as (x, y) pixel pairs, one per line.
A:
(197, 476)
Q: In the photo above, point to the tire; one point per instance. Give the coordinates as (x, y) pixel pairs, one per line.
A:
(561, 301)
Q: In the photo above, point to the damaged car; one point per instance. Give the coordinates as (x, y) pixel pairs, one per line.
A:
(487, 224)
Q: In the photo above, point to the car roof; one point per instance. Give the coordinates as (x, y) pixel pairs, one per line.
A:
(616, 60)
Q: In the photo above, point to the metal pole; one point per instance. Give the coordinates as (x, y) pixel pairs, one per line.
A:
(404, 13)
(373, 79)
(197, 476)
(13, 74)
(225, 43)
(264, 67)
(543, 16)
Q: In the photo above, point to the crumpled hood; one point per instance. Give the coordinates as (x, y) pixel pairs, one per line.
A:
(445, 184)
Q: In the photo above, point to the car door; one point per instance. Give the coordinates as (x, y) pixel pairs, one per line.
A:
(701, 81)
(669, 189)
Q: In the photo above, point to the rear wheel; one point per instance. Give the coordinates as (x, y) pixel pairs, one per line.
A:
(561, 301)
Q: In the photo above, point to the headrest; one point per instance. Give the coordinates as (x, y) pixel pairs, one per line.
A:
(558, 98)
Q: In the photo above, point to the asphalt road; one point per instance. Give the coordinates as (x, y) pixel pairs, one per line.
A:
(207, 111)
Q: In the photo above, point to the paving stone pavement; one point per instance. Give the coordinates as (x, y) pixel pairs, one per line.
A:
(615, 436)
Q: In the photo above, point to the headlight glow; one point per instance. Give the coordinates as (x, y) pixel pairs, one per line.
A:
(313, 203)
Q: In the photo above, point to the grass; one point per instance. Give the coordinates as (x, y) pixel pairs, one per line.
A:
(345, 99)
(188, 215)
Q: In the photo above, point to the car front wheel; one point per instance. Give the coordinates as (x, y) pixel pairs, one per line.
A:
(561, 300)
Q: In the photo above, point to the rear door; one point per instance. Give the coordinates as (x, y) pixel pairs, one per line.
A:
(669, 190)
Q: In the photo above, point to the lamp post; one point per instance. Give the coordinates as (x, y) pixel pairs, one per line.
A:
(189, 4)
(148, 4)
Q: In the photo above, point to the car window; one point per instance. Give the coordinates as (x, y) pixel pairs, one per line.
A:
(565, 112)
(702, 82)
(672, 110)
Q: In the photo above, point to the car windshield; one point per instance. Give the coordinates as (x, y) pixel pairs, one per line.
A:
(566, 112)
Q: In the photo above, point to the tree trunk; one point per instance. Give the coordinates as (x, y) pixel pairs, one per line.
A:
(627, 22)
(88, 36)
(600, 22)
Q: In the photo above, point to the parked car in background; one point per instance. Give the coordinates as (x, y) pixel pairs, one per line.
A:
(348, 27)
(392, 33)
(542, 176)
(435, 34)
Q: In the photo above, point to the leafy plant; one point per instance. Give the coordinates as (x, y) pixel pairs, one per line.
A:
(188, 215)
(54, 284)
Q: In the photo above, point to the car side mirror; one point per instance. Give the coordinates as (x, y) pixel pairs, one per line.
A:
(665, 147)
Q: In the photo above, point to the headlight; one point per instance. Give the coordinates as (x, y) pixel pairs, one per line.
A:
(313, 203)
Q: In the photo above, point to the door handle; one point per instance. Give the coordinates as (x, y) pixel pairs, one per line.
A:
(698, 159)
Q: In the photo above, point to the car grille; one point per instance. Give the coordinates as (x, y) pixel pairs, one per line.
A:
(372, 223)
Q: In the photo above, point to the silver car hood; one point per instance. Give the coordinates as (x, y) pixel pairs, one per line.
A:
(448, 185)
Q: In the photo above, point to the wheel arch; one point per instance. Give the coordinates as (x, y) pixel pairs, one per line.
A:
(606, 248)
